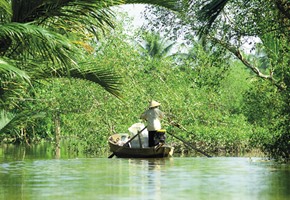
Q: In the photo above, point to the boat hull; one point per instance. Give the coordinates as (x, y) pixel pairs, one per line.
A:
(160, 151)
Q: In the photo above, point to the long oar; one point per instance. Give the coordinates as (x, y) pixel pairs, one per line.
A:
(189, 145)
(173, 123)
(112, 155)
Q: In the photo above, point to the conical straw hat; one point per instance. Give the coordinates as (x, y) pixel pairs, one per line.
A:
(153, 104)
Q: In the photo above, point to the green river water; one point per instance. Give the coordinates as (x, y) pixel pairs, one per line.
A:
(39, 177)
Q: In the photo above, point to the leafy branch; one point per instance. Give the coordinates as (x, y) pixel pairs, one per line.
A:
(234, 50)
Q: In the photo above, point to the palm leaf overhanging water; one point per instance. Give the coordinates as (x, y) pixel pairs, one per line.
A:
(40, 39)
(37, 32)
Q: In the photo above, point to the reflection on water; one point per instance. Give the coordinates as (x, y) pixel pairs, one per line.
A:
(172, 178)
(147, 175)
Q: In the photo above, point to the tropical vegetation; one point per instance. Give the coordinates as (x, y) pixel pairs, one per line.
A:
(228, 94)
(262, 27)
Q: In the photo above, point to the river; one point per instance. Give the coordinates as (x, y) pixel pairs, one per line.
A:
(40, 178)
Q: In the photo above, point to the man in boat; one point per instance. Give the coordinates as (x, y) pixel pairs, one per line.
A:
(153, 117)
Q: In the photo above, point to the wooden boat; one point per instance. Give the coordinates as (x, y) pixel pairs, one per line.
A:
(120, 149)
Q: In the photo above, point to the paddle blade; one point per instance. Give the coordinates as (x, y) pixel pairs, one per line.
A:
(111, 156)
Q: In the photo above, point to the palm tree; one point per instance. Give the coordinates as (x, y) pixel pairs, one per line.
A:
(154, 46)
(42, 39)
(35, 38)
(32, 40)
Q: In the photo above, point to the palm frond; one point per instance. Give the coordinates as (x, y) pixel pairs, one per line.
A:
(7, 68)
(82, 15)
(106, 79)
(10, 121)
(5, 11)
(167, 49)
(209, 12)
(39, 43)
(155, 46)
(29, 11)
(5, 119)
(169, 4)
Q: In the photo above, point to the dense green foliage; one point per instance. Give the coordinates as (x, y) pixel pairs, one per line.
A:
(42, 39)
(268, 103)
(199, 102)
(233, 25)
(215, 95)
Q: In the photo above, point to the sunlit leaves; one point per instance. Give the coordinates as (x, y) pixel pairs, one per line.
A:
(168, 4)
(11, 70)
(30, 41)
(155, 47)
(10, 122)
(105, 78)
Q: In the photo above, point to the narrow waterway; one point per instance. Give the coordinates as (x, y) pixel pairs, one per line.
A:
(172, 178)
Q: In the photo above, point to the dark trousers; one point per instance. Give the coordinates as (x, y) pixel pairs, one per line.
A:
(151, 138)
(155, 138)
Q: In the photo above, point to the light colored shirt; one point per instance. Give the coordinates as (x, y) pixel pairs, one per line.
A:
(153, 117)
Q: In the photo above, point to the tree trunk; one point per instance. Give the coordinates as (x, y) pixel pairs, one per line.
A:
(57, 134)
